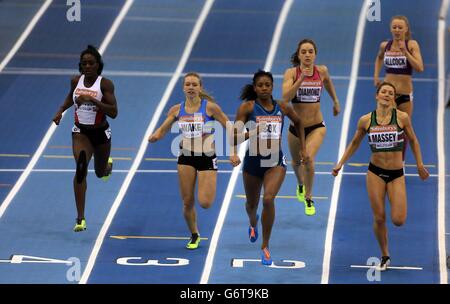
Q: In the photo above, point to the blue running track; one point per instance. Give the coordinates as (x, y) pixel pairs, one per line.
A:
(145, 240)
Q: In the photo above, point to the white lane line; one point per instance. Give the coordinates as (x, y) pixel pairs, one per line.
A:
(148, 237)
(130, 73)
(112, 31)
(151, 127)
(389, 267)
(52, 127)
(3, 64)
(233, 179)
(343, 141)
(25, 34)
(441, 141)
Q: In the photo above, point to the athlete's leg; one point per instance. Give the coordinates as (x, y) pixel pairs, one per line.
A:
(82, 152)
(294, 149)
(272, 182)
(186, 177)
(376, 189)
(101, 156)
(313, 142)
(207, 181)
(397, 196)
(406, 107)
(252, 186)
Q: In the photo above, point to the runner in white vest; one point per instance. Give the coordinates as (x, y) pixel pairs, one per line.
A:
(93, 98)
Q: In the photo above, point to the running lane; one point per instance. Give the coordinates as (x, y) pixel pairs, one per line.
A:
(39, 220)
(295, 236)
(152, 206)
(414, 244)
(14, 18)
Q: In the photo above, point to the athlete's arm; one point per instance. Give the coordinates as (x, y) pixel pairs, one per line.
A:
(68, 102)
(415, 146)
(108, 104)
(330, 89)
(289, 111)
(214, 110)
(414, 55)
(222, 118)
(242, 115)
(289, 86)
(166, 125)
(378, 64)
(354, 144)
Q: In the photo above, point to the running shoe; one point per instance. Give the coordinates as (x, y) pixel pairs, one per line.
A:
(253, 231)
(385, 262)
(266, 259)
(80, 225)
(301, 193)
(194, 241)
(106, 177)
(309, 207)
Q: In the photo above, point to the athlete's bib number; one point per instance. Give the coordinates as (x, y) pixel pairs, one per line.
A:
(383, 137)
(191, 126)
(396, 62)
(272, 127)
(309, 94)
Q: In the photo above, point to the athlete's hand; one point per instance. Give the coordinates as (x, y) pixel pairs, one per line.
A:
(154, 137)
(301, 78)
(57, 118)
(336, 170)
(402, 46)
(307, 72)
(83, 99)
(423, 172)
(235, 160)
(304, 157)
(376, 82)
(336, 108)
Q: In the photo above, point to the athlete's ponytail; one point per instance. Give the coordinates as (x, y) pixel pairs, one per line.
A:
(205, 95)
(248, 93)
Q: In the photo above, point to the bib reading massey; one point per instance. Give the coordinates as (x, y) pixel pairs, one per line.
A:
(385, 138)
